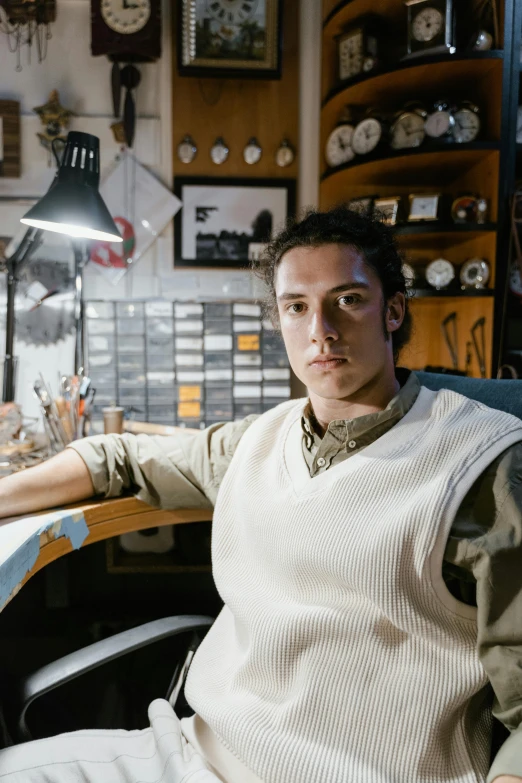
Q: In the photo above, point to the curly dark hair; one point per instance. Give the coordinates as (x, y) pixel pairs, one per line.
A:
(340, 225)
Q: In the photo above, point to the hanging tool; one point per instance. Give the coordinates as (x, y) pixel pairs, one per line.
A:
(130, 78)
(451, 340)
(480, 350)
(469, 356)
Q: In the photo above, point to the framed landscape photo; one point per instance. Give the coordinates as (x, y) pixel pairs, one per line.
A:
(226, 222)
(240, 38)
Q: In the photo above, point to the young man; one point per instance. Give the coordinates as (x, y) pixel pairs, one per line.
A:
(366, 543)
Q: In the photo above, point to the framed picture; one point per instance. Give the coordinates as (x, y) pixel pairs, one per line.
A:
(10, 138)
(220, 38)
(225, 222)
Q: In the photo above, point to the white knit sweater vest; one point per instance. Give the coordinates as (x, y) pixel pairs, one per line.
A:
(340, 656)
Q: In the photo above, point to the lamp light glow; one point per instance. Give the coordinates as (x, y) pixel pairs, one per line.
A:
(79, 232)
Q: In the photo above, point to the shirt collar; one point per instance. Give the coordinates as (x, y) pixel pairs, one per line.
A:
(341, 430)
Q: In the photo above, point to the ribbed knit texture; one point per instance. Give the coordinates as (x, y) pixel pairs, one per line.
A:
(340, 656)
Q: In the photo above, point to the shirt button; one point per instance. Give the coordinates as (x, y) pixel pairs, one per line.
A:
(352, 444)
(321, 462)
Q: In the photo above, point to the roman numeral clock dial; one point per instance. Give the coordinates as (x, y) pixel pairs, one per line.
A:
(231, 11)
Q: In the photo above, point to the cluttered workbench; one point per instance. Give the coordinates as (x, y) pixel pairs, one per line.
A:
(32, 542)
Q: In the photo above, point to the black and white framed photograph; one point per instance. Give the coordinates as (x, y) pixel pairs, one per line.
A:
(226, 222)
(240, 39)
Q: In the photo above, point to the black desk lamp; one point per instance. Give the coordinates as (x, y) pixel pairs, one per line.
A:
(72, 206)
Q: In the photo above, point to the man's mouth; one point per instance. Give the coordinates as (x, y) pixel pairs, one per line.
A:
(327, 362)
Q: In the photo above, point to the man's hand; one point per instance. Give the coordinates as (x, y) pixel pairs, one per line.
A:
(60, 480)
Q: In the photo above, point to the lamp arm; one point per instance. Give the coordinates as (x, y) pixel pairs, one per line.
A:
(30, 242)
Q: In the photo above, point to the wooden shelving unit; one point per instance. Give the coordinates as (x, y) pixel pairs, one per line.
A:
(485, 167)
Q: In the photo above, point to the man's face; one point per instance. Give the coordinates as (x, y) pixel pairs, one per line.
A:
(333, 319)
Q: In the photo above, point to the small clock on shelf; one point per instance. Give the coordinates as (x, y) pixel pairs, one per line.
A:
(467, 122)
(424, 206)
(431, 27)
(410, 275)
(338, 149)
(408, 129)
(368, 134)
(363, 205)
(440, 122)
(357, 49)
(440, 273)
(474, 273)
(388, 208)
(469, 209)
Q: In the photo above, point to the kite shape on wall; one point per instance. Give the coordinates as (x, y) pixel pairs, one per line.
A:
(141, 207)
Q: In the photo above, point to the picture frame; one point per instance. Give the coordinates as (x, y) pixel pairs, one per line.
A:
(242, 41)
(10, 139)
(240, 216)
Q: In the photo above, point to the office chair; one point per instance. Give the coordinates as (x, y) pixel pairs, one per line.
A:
(505, 395)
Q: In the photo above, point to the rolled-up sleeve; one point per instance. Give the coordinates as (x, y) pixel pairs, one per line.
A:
(183, 470)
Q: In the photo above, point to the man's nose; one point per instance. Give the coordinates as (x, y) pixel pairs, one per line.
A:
(322, 327)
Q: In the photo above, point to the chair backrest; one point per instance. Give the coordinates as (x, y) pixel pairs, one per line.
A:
(504, 395)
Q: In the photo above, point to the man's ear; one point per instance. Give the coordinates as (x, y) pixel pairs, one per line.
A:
(395, 311)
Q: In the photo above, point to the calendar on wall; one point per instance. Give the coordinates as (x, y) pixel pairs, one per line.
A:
(184, 363)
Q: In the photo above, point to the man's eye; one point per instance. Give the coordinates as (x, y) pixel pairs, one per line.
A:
(348, 299)
(296, 307)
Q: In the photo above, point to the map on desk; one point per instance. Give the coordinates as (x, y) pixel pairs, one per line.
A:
(20, 544)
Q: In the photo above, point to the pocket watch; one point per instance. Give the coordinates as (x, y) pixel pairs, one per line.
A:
(474, 273)
(407, 130)
(440, 273)
(285, 154)
(440, 122)
(467, 123)
(367, 134)
(187, 149)
(252, 152)
(219, 151)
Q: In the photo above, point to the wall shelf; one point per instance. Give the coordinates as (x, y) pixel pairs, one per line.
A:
(426, 149)
(427, 227)
(430, 293)
(465, 60)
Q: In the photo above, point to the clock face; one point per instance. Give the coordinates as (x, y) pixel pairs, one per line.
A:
(474, 273)
(252, 153)
(438, 124)
(467, 126)
(427, 25)
(187, 150)
(366, 136)
(338, 147)
(284, 155)
(440, 273)
(125, 16)
(351, 55)
(424, 207)
(231, 11)
(407, 131)
(219, 152)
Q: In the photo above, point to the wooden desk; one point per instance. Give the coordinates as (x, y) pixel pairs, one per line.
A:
(96, 521)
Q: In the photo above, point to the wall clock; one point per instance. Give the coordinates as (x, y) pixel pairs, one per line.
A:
(126, 30)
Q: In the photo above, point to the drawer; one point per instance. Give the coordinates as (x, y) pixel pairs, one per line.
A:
(99, 310)
(129, 326)
(134, 344)
(159, 327)
(130, 310)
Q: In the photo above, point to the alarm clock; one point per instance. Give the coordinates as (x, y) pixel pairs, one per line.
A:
(440, 273)
(474, 273)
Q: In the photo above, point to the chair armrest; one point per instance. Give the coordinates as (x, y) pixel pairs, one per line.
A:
(94, 655)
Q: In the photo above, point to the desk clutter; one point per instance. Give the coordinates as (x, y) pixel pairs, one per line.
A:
(184, 363)
(20, 446)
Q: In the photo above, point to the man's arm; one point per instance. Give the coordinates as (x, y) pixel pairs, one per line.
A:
(179, 471)
(61, 480)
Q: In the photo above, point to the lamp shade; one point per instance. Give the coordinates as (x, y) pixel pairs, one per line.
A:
(73, 205)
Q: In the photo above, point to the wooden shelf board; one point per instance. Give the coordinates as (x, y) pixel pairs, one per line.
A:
(435, 228)
(427, 159)
(381, 80)
(431, 293)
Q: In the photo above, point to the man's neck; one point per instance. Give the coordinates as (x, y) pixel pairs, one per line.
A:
(371, 398)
